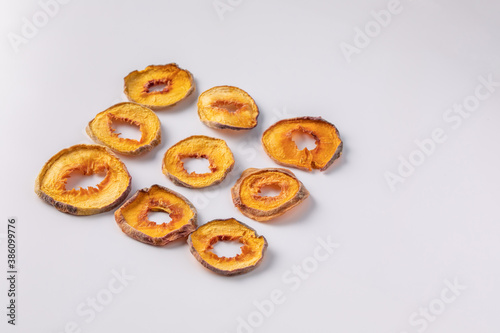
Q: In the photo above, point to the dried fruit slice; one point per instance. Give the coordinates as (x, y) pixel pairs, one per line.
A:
(279, 145)
(214, 150)
(227, 107)
(142, 86)
(247, 197)
(202, 240)
(50, 184)
(101, 130)
(132, 216)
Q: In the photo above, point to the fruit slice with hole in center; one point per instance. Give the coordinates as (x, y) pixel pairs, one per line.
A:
(202, 240)
(132, 216)
(50, 184)
(248, 198)
(101, 130)
(227, 107)
(214, 150)
(158, 86)
(279, 145)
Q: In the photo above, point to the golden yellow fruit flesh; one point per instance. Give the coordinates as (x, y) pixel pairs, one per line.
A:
(214, 150)
(279, 145)
(141, 86)
(203, 239)
(227, 107)
(251, 185)
(51, 182)
(132, 216)
(101, 130)
(247, 196)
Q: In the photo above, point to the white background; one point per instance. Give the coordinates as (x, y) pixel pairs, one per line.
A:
(397, 248)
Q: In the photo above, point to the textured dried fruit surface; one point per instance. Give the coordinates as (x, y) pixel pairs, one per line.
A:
(227, 107)
(101, 129)
(279, 145)
(132, 216)
(51, 182)
(247, 197)
(214, 150)
(202, 240)
(143, 86)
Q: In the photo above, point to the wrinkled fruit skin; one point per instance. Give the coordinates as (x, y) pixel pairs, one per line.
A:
(101, 130)
(227, 107)
(178, 84)
(202, 240)
(132, 216)
(198, 146)
(246, 193)
(279, 145)
(86, 159)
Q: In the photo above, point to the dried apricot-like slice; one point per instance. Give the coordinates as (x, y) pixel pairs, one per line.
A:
(101, 130)
(227, 107)
(248, 199)
(202, 240)
(132, 216)
(158, 86)
(214, 150)
(50, 184)
(279, 145)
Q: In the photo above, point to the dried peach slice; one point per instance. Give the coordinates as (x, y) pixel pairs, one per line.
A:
(214, 150)
(101, 130)
(227, 107)
(279, 145)
(132, 216)
(247, 197)
(50, 184)
(202, 240)
(175, 83)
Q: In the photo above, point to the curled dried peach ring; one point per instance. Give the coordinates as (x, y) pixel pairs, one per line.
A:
(214, 150)
(227, 107)
(202, 240)
(51, 182)
(247, 197)
(279, 145)
(142, 86)
(132, 216)
(101, 130)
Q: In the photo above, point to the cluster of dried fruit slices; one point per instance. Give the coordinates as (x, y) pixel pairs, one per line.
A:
(222, 107)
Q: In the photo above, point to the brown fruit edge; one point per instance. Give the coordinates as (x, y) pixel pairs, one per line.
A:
(140, 150)
(260, 215)
(219, 126)
(238, 271)
(157, 241)
(70, 209)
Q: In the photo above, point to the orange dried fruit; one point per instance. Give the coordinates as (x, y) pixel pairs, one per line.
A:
(132, 216)
(227, 107)
(50, 184)
(279, 145)
(214, 150)
(247, 197)
(202, 240)
(158, 86)
(101, 130)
